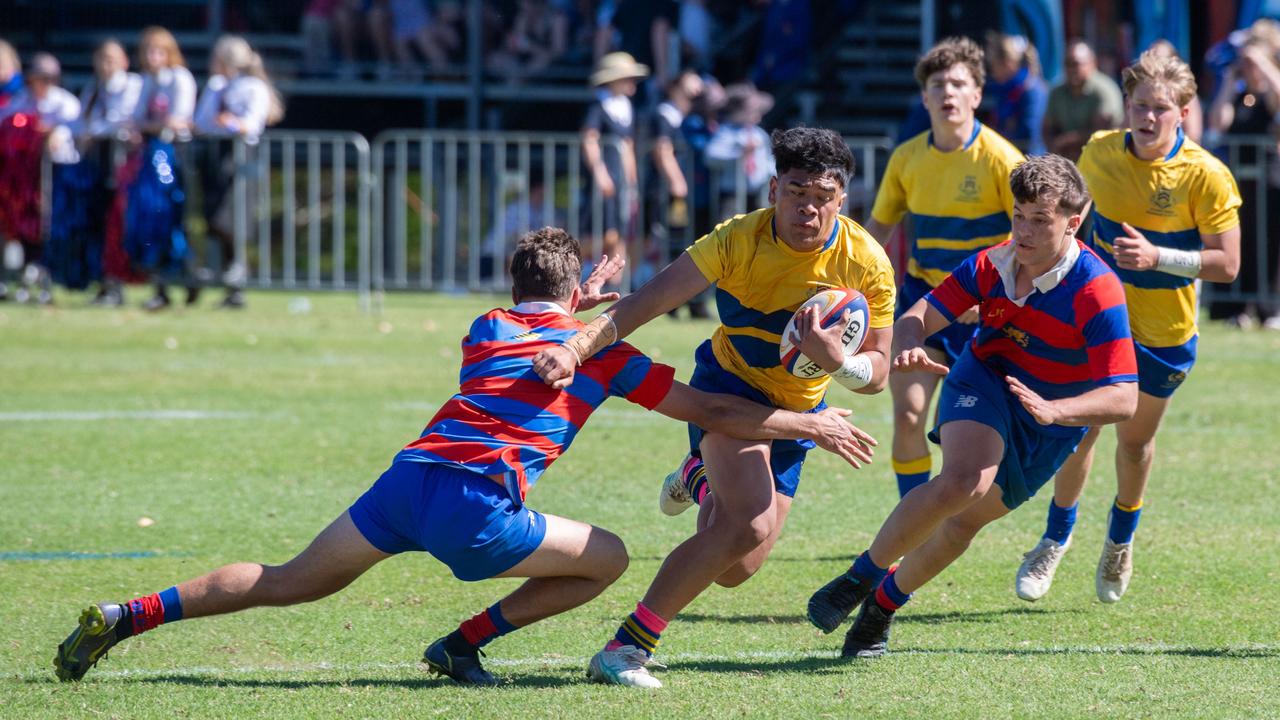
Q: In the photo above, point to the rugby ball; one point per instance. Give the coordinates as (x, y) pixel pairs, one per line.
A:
(831, 305)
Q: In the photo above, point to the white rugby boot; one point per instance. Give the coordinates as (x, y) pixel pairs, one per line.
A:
(675, 498)
(1035, 575)
(1115, 568)
(626, 665)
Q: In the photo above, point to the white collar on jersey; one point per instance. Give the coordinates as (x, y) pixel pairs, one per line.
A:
(533, 307)
(1006, 262)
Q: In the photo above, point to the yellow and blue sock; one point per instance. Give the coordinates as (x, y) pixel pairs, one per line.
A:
(888, 596)
(642, 628)
(480, 630)
(1060, 523)
(1124, 521)
(149, 611)
(912, 473)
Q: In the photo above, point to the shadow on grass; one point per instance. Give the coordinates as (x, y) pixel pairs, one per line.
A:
(1227, 653)
(520, 680)
(821, 665)
(982, 616)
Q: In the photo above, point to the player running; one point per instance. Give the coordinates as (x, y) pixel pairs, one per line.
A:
(1051, 358)
(953, 182)
(1165, 213)
(458, 492)
(765, 264)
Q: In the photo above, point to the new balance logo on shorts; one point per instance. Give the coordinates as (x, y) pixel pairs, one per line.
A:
(966, 401)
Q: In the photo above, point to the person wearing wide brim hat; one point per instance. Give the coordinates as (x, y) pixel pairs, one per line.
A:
(609, 204)
(618, 66)
(745, 105)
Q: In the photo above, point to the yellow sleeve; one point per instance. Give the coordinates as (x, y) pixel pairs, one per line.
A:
(880, 288)
(891, 198)
(1218, 203)
(711, 253)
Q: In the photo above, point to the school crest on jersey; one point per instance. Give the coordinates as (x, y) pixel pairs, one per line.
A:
(1162, 202)
(1018, 336)
(969, 190)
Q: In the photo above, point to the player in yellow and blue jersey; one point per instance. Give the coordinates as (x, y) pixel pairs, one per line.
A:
(953, 184)
(765, 265)
(1165, 213)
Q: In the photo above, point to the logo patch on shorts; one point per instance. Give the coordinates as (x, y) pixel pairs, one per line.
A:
(966, 401)
(1175, 379)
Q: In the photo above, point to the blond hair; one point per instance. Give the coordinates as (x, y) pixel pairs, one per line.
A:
(239, 58)
(9, 59)
(1162, 71)
(156, 35)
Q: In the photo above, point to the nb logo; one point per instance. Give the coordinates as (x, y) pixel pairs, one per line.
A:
(966, 401)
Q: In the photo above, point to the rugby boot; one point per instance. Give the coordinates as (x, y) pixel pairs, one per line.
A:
(464, 668)
(869, 635)
(94, 635)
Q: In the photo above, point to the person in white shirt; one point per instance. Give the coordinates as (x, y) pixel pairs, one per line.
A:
(109, 102)
(238, 102)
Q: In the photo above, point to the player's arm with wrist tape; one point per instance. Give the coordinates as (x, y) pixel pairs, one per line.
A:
(867, 371)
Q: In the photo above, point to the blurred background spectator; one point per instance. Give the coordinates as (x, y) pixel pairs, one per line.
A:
(608, 150)
(739, 149)
(1017, 91)
(641, 28)
(539, 36)
(786, 40)
(10, 73)
(1083, 103)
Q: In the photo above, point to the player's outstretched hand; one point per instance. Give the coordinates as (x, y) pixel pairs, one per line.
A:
(1133, 251)
(604, 271)
(824, 346)
(915, 360)
(556, 366)
(1042, 410)
(838, 435)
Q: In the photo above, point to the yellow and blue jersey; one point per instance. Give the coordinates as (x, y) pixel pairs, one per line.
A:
(959, 201)
(761, 282)
(1172, 201)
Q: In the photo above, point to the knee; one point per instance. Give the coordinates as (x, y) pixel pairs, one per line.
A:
(1136, 451)
(907, 419)
(613, 558)
(957, 489)
(747, 534)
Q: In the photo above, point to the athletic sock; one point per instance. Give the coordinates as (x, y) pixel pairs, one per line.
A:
(697, 483)
(888, 596)
(864, 568)
(1124, 521)
(912, 473)
(479, 631)
(1060, 523)
(144, 613)
(642, 628)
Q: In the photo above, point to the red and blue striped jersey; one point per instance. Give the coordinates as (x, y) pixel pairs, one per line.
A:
(504, 421)
(1069, 336)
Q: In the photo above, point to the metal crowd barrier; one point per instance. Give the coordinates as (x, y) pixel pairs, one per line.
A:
(1254, 161)
(448, 206)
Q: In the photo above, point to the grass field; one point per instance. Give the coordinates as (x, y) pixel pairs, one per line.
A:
(237, 436)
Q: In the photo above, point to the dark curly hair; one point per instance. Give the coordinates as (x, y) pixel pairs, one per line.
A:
(1043, 177)
(547, 264)
(814, 150)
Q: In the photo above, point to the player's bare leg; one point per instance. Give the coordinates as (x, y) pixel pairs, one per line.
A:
(745, 517)
(574, 564)
(1040, 564)
(742, 570)
(971, 454)
(912, 393)
(335, 558)
(1135, 451)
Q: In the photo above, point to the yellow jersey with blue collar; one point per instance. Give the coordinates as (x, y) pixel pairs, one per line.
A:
(760, 283)
(959, 201)
(1172, 201)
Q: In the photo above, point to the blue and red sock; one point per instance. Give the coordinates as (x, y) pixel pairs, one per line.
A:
(888, 596)
(864, 569)
(1060, 523)
(150, 611)
(642, 628)
(482, 629)
(1124, 522)
(912, 473)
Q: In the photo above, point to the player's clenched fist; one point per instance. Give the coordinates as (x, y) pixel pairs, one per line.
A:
(556, 366)
(916, 359)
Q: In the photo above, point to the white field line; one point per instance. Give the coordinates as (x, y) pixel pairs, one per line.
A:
(674, 658)
(95, 415)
